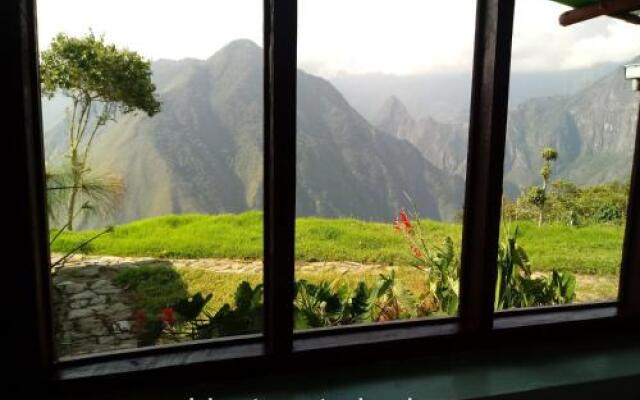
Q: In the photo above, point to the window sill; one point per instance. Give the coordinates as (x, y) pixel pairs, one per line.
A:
(404, 340)
(582, 365)
(160, 358)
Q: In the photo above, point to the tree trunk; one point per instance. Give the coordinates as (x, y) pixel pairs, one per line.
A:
(540, 218)
(75, 185)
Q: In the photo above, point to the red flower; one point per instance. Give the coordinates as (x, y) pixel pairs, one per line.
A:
(416, 252)
(140, 316)
(404, 219)
(168, 315)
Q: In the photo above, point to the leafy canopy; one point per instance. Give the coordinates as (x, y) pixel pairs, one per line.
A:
(86, 69)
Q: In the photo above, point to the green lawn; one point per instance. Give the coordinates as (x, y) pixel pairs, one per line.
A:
(594, 249)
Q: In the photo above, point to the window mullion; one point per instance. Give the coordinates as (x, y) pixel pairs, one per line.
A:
(30, 332)
(280, 172)
(483, 198)
(629, 295)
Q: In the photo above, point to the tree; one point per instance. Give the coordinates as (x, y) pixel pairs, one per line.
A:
(100, 193)
(548, 155)
(537, 195)
(102, 82)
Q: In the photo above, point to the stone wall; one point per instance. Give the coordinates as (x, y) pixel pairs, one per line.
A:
(91, 313)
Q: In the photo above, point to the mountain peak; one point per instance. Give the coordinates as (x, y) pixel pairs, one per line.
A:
(392, 115)
(242, 44)
(238, 48)
(393, 106)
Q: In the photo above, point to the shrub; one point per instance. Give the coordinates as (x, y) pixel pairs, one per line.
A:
(330, 304)
(516, 287)
(187, 318)
(572, 205)
(609, 213)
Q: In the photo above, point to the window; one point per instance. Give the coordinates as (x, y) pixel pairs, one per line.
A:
(570, 138)
(154, 188)
(480, 234)
(382, 129)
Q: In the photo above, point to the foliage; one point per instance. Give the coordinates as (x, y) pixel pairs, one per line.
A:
(516, 287)
(102, 82)
(609, 213)
(570, 204)
(330, 304)
(549, 154)
(156, 285)
(99, 193)
(245, 317)
(537, 195)
(86, 69)
(55, 182)
(187, 318)
(438, 263)
(391, 300)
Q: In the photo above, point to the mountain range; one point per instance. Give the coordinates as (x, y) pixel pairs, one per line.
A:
(203, 151)
(593, 130)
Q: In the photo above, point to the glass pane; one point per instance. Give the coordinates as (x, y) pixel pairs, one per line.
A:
(383, 109)
(570, 140)
(153, 131)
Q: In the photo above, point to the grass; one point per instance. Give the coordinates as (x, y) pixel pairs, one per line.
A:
(158, 285)
(593, 249)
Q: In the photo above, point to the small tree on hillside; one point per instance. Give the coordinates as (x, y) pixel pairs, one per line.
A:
(537, 195)
(102, 82)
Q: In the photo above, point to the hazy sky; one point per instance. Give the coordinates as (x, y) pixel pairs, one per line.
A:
(390, 36)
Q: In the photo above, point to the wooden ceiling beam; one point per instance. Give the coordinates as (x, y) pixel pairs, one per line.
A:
(613, 8)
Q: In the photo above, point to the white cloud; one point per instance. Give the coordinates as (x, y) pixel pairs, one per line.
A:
(540, 43)
(391, 36)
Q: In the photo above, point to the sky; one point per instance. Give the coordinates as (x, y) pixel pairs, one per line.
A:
(345, 36)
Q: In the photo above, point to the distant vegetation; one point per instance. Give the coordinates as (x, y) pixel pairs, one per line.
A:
(564, 202)
(568, 204)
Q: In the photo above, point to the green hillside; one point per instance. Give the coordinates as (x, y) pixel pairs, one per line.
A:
(592, 249)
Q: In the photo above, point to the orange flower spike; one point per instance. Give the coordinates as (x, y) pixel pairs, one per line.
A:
(404, 218)
(416, 252)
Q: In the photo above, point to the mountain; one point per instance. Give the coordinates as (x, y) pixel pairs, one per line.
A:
(443, 144)
(593, 130)
(445, 95)
(203, 151)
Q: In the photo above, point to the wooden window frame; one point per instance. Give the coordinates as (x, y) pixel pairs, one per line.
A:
(477, 325)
